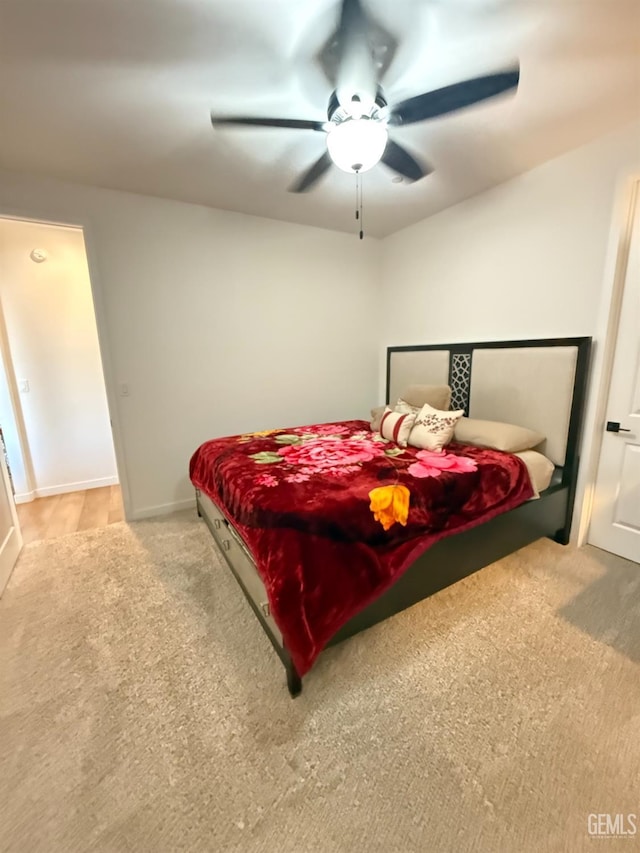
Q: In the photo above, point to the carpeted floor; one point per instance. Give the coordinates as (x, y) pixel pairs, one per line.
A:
(142, 709)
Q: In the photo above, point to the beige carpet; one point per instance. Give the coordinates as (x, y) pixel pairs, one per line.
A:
(142, 709)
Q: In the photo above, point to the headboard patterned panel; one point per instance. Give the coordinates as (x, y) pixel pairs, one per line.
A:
(538, 384)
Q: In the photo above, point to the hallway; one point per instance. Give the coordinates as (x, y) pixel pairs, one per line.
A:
(47, 518)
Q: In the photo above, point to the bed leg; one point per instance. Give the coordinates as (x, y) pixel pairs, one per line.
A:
(561, 536)
(198, 503)
(294, 682)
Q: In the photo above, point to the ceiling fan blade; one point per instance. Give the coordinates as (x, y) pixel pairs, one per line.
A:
(454, 97)
(309, 178)
(299, 124)
(398, 158)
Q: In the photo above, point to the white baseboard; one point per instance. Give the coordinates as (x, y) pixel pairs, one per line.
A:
(136, 515)
(62, 489)
(162, 509)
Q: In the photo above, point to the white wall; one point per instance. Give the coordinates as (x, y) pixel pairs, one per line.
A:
(217, 322)
(529, 258)
(526, 257)
(52, 344)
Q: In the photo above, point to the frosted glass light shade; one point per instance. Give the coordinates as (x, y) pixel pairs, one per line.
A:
(356, 145)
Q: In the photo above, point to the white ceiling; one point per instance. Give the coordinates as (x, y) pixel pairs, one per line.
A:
(117, 93)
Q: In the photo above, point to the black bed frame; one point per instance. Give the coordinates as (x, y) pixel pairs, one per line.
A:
(461, 554)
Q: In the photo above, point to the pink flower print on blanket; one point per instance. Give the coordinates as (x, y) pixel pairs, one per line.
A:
(432, 464)
(322, 453)
(343, 471)
(300, 477)
(319, 429)
(267, 480)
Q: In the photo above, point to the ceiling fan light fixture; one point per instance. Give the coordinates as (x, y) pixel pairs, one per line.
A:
(357, 145)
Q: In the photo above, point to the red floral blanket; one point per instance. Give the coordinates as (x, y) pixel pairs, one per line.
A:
(333, 515)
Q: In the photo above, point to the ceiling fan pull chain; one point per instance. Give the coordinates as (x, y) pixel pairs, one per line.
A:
(357, 195)
(361, 212)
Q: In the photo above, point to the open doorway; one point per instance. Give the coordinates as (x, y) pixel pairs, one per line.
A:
(53, 404)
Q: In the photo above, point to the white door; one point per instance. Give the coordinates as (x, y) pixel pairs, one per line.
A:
(10, 536)
(615, 521)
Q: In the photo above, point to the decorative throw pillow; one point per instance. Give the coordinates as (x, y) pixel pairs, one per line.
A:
(417, 396)
(433, 428)
(396, 427)
(496, 435)
(405, 409)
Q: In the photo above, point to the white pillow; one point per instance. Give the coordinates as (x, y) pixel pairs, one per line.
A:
(433, 428)
(540, 470)
(438, 396)
(496, 435)
(376, 417)
(396, 427)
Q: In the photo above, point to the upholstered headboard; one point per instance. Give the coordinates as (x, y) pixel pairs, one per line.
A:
(538, 384)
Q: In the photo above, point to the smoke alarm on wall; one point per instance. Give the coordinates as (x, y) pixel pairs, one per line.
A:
(38, 256)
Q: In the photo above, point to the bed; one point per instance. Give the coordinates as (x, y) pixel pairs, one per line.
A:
(320, 558)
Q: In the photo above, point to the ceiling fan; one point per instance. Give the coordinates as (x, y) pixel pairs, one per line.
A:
(359, 117)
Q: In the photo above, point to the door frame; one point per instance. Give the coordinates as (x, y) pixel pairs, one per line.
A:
(626, 198)
(103, 339)
(15, 547)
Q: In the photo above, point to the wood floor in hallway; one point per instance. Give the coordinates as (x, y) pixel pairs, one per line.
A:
(46, 518)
